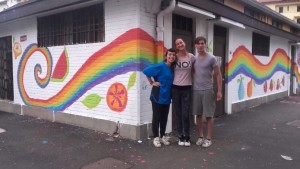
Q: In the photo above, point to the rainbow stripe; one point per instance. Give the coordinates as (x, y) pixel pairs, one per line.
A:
(296, 73)
(131, 51)
(243, 62)
(42, 82)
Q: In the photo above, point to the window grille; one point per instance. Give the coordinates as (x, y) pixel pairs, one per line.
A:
(260, 44)
(182, 23)
(85, 25)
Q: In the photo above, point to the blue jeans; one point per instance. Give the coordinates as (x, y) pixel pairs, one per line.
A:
(181, 98)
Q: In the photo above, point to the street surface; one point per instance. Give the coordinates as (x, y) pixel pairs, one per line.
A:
(263, 137)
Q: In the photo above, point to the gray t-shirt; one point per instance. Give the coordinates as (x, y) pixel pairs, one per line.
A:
(183, 70)
(203, 79)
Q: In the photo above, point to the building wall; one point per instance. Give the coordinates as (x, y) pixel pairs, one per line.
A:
(235, 5)
(96, 73)
(2, 6)
(251, 76)
(295, 75)
(147, 23)
(104, 80)
(289, 9)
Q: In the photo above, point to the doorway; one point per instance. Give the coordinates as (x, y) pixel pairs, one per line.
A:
(6, 69)
(182, 27)
(219, 50)
(293, 54)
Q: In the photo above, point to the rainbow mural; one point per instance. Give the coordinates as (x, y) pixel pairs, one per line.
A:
(296, 73)
(132, 51)
(243, 62)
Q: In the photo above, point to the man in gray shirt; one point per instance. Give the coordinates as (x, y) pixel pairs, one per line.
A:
(203, 96)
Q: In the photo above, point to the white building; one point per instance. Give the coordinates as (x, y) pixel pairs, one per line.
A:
(4, 4)
(80, 62)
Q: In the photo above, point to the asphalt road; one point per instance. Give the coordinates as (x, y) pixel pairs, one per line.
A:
(263, 137)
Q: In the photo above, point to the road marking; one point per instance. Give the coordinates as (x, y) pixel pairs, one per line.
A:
(289, 102)
(295, 123)
(2, 130)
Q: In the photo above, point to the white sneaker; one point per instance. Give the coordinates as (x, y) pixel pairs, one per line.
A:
(187, 143)
(200, 141)
(165, 140)
(207, 143)
(156, 142)
(181, 141)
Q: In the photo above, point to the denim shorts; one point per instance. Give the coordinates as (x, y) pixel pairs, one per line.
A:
(204, 102)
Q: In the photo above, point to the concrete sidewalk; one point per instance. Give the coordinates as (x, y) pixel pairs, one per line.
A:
(261, 137)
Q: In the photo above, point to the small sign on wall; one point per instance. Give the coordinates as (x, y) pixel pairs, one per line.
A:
(219, 60)
(23, 38)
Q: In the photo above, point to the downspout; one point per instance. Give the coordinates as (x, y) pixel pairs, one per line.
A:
(160, 28)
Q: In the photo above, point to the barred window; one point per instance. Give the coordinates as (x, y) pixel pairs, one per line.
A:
(85, 25)
(182, 23)
(260, 44)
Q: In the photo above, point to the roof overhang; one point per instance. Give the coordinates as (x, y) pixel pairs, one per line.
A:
(221, 10)
(189, 10)
(35, 7)
(270, 12)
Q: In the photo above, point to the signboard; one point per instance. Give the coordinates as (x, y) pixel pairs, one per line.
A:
(23, 38)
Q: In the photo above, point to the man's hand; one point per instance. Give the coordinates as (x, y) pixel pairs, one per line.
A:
(219, 96)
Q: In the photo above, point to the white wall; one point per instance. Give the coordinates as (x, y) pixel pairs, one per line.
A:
(239, 37)
(120, 16)
(147, 22)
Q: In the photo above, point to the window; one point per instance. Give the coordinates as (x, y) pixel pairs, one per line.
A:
(260, 44)
(221, 1)
(182, 23)
(249, 12)
(277, 24)
(264, 18)
(294, 30)
(298, 20)
(298, 8)
(252, 13)
(85, 25)
(280, 9)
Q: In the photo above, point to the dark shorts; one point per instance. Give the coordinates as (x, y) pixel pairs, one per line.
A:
(204, 102)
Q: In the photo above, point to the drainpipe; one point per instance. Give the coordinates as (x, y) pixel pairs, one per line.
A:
(160, 27)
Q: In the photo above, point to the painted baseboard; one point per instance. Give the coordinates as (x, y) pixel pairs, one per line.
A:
(106, 126)
(237, 107)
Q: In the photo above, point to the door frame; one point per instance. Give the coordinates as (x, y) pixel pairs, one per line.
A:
(293, 55)
(222, 68)
(6, 69)
(184, 35)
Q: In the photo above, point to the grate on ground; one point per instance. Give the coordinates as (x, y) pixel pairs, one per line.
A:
(108, 163)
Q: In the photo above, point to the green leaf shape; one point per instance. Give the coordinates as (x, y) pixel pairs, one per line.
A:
(210, 46)
(92, 101)
(132, 80)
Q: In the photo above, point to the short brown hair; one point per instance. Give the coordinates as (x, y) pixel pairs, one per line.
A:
(200, 38)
